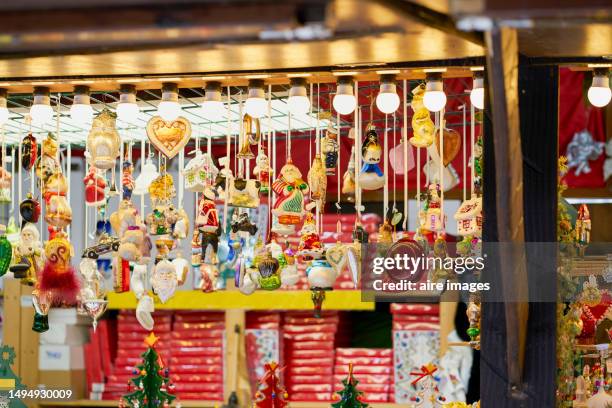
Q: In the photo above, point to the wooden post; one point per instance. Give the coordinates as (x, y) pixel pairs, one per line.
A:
(236, 377)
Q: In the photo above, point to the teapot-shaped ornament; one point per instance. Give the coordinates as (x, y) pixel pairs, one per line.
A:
(371, 176)
(103, 142)
(290, 190)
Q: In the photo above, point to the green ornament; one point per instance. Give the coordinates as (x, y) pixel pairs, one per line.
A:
(473, 332)
(6, 252)
(41, 323)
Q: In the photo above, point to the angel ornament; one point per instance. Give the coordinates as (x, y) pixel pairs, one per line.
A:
(291, 190)
(371, 176)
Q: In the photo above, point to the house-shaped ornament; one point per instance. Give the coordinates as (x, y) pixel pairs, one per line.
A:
(469, 217)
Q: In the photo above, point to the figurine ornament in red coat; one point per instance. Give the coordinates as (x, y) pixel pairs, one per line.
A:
(270, 393)
(94, 188)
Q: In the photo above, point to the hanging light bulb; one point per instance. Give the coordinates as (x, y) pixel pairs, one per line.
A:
(127, 108)
(387, 100)
(599, 93)
(435, 98)
(256, 105)
(298, 97)
(344, 101)
(169, 108)
(477, 92)
(41, 111)
(4, 113)
(81, 111)
(145, 178)
(212, 107)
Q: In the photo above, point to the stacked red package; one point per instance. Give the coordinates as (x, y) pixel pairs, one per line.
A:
(197, 341)
(308, 344)
(130, 346)
(373, 368)
(262, 342)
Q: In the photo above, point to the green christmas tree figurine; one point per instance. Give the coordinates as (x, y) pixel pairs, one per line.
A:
(350, 396)
(149, 382)
(7, 357)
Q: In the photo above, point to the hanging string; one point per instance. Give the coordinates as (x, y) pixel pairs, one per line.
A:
(357, 153)
(227, 157)
(463, 108)
(181, 183)
(271, 176)
(442, 126)
(405, 153)
(338, 132)
(12, 207)
(472, 141)
(394, 172)
(142, 163)
(386, 168)
(121, 155)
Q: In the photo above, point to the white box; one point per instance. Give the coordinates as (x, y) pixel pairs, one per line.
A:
(64, 334)
(67, 316)
(60, 357)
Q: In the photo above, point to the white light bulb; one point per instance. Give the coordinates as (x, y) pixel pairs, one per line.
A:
(387, 102)
(256, 107)
(344, 104)
(213, 110)
(128, 112)
(435, 98)
(477, 97)
(4, 115)
(81, 113)
(169, 110)
(599, 93)
(299, 105)
(41, 114)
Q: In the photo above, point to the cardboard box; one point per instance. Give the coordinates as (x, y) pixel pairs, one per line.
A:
(64, 380)
(63, 334)
(67, 316)
(52, 357)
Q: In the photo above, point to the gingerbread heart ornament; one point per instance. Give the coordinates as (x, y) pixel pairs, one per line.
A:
(452, 145)
(336, 256)
(169, 137)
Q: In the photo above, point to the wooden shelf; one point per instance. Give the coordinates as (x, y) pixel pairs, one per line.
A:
(260, 300)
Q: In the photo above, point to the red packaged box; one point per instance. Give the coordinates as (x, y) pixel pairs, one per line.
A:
(302, 321)
(415, 308)
(367, 387)
(310, 336)
(313, 328)
(202, 327)
(211, 342)
(363, 352)
(309, 345)
(309, 379)
(308, 362)
(196, 378)
(199, 317)
(375, 361)
(198, 351)
(174, 360)
(293, 388)
(159, 328)
(198, 387)
(357, 369)
(310, 396)
(309, 370)
(401, 318)
(416, 326)
(207, 396)
(308, 353)
(185, 335)
(375, 397)
(197, 369)
(365, 379)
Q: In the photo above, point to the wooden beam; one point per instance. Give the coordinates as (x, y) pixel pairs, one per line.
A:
(502, 68)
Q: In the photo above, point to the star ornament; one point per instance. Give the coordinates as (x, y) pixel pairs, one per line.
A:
(151, 339)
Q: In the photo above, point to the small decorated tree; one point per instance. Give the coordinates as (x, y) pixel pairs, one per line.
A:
(350, 396)
(150, 381)
(7, 358)
(270, 393)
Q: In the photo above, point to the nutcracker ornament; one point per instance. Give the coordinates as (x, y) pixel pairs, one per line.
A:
(329, 149)
(263, 172)
(270, 393)
(290, 190)
(371, 176)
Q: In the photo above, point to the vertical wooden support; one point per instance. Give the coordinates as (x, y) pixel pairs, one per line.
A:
(502, 64)
(236, 374)
(12, 319)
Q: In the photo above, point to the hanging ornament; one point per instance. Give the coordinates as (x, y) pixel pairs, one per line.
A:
(58, 212)
(371, 176)
(469, 217)
(58, 278)
(243, 193)
(385, 233)
(242, 222)
(164, 280)
(48, 163)
(269, 276)
(162, 188)
(310, 246)
(262, 171)
(207, 223)
(5, 186)
(270, 393)
(422, 125)
(329, 150)
(209, 277)
(289, 271)
(246, 284)
(138, 280)
(473, 315)
(29, 152)
(583, 228)
(92, 294)
(103, 142)
(432, 216)
(321, 275)
(251, 135)
(290, 190)
(95, 186)
(440, 273)
(182, 268)
(6, 251)
(317, 180)
(29, 209)
(396, 158)
(478, 165)
(169, 137)
(131, 243)
(121, 275)
(145, 178)
(158, 221)
(127, 179)
(41, 304)
(225, 174)
(28, 255)
(180, 224)
(200, 172)
(144, 312)
(451, 145)
(348, 179)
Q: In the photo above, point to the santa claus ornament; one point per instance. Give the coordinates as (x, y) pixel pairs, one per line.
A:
(310, 246)
(28, 255)
(95, 186)
(262, 171)
(164, 280)
(290, 190)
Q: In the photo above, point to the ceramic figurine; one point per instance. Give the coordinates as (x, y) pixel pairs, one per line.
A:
(164, 280)
(103, 142)
(241, 222)
(317, 180)
(422, 125)
(95, 187)
(5, 186)
(473, 315)
(289, 273)
(321, 275)
(246, 284)
(469, 217)
(269, 276)
(28, 254)
(583, 226)
(138, 280)
(58, 278)
(41, 304)
(91, 296)
(263, 172)
(169, 137)
(251, 135)
(310, 246)
(131, 243)
(144, 312)
(158, 222)
(200, 172)
(290, 190)
(209, 277)
(127, 180)
(243, 193)
(478, 165)
(371, 176)
(29, 152)
(180, 227)
(433, 216)
(225, 174)
(207, 223)
(182, 268)
(48, 163)
(58, 211)
(385, 233)
(348, 179)
(329, 150)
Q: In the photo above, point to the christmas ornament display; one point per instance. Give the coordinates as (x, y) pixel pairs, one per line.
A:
(28, 255)
(103, 142)
(200, 172)
(169, 137)
(371, 176)
(349, 396)
(270, 392)
(290, 190)
(95, 188)
(263, 172)
(151, 381)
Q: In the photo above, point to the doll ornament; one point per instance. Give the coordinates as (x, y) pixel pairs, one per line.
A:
(371, 176)
(329, 150)
(207, 223)
(95, 187)
(290, 189)
(262, 171)
(28, 254)
(310, 246)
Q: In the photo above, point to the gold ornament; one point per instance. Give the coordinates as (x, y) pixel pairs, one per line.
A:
(169, 137)
(317, 180)
(103, 142)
